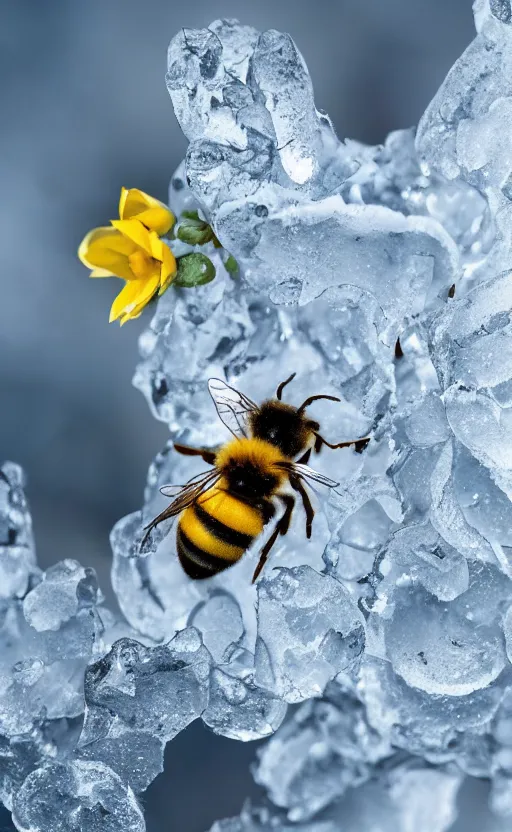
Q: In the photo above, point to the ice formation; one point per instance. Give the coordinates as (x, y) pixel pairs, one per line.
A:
(391, 629)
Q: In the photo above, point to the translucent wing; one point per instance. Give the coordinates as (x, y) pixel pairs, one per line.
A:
(189, 485)
(307, 473)
(186, 496)
(232, 407)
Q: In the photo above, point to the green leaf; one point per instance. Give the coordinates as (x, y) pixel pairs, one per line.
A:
(194, 270)
(193, 230)
(191, 215)
(195, 235)
(231, 265)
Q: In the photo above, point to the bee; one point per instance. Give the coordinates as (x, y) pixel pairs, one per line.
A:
(222, 510)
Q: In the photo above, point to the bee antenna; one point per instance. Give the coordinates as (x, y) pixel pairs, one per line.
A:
(279, 391)
(312, 399)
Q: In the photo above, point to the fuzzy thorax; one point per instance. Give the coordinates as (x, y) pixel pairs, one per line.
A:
(257, 453)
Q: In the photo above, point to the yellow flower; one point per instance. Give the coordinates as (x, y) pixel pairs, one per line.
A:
(136, 205)
(131, 248)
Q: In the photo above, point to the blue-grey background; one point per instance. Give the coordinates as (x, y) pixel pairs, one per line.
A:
(83, 111)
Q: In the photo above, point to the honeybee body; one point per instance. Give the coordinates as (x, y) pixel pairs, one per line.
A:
(221, 511)
(218, 528)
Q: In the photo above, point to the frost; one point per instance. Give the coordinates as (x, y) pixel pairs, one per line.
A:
(381, 276)
(80, 795)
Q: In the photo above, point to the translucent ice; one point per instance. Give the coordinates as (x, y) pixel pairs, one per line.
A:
(315, 757)
(157, 691)
(381, 276)
(309, 631)
(64, 589)
(266, 166)
(17, 554)
(81, 795)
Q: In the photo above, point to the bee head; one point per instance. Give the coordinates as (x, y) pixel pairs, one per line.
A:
(283, 426)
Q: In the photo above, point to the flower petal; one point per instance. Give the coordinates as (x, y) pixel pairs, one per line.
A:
(132, 299)
(135, 232)
(135, 204)
(160, 251)
(106, 251)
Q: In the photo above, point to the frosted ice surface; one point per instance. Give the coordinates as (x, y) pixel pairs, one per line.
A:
(269, 181)
(315, 757)
(240, 709)
(17, 553)
(402, 595)
(171, 681)
(309, 630)
(392, 625)
(80, 795)
(436, 647)
(64, 590)
(458, 131)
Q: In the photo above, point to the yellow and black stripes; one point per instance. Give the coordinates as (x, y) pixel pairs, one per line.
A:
(216, 530)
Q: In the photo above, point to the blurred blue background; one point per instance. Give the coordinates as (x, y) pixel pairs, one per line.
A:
(84, 110)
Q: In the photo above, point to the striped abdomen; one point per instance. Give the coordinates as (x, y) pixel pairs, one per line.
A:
(215, 532)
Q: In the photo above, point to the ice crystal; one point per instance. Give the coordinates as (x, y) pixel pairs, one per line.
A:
(381, 275)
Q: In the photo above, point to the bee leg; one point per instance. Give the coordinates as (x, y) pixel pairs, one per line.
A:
(359, 444)
(281, 527)
(306, 502)
(186, 450)
(279, 391)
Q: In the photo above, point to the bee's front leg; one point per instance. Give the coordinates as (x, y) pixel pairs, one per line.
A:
(358, 444)
(186, 450)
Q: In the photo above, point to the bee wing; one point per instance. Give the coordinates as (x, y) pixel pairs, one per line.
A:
(307, 473)
(187, 495)
(233, 407)
(197, 479)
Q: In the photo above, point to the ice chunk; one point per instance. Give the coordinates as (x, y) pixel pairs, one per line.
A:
(201, 64)
(427, 425)
(327, 747)
(280, 75)
(264, 164)
(78, 795)
(220, 623)
(446, 513)
(41, 671)
(157, 690)
(313, 246)
(137, 698)
(459, 134)
(237, 708)
(137, 757)
(65, 589)
(17, 552)
(240, 710)
(440, 649)
(485, 505)
(360, 524)
(308, 632)
(418, 554)
(464, 131)
(437, 727)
